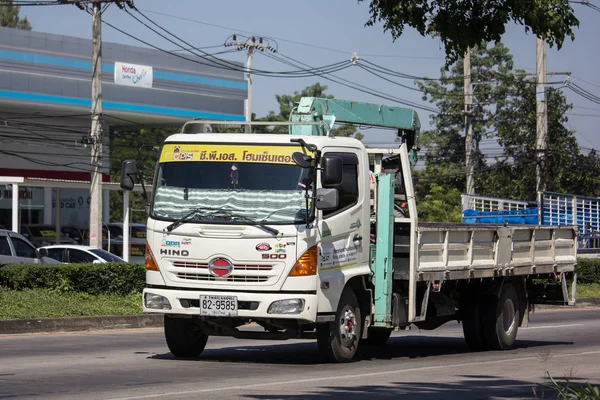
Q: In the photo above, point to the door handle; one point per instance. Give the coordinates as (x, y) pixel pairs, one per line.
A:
(357, 238)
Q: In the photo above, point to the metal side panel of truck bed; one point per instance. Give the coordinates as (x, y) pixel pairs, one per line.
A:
(460, 251)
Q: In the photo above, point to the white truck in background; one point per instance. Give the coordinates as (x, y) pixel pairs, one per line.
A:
(300, 234)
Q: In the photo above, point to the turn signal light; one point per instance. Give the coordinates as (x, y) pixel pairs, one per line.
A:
(150, 262)
(306, 264)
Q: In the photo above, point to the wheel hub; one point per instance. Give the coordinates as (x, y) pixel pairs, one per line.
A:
(347, 326)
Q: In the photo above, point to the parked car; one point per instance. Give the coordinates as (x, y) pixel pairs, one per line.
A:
(16, 249)
(80, 254)
(76, 233)
(44, 235)
(137, 241)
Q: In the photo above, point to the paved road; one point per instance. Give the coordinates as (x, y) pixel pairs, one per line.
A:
(135, 364)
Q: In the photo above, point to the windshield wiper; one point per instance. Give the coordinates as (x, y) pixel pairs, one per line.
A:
(255, 222)
(191, 216)
(183, 219)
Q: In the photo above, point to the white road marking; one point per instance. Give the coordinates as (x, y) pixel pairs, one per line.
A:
(353, 376)
(552, 326)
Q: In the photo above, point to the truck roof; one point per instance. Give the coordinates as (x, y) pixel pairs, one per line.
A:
(259, 138)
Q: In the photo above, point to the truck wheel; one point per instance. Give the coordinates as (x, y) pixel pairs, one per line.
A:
(377, 337)
(184, 337)
(472, 324)
(338, 340)
(502, 320)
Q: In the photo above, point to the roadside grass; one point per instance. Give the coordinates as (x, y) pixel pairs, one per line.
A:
(43, 303)
(588, 290)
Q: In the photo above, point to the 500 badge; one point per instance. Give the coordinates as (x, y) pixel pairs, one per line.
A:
(274, 256)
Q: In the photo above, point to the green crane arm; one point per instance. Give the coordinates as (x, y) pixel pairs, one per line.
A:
(316, 109)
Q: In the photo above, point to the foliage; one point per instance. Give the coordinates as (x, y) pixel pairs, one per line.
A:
(288, 102)
(93, 279)
(445, 143)
(464, 24)
(9, 16)
(504, 123)
(568, 390)
(124, 145)
(588, 270)
(514, 174)
(440, 204)
(45, 303)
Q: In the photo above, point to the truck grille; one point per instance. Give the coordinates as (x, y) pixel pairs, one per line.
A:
(236, 267)
(203, 277)
(251, 273)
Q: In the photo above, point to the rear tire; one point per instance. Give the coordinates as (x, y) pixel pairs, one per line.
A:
(338, 340)
(377, 337)
(184, 336)
(501, 322)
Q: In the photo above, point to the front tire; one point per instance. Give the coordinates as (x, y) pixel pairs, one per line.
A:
(184, 336)
(338, 340)
(502, 319)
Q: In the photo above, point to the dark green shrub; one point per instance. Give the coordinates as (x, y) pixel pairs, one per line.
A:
(588, 270)
(116, 278)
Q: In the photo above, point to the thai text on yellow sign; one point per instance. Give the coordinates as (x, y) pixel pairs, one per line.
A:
(228, 153)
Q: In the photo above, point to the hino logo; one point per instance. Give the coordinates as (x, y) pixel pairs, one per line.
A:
(220, 267)
(173, 252)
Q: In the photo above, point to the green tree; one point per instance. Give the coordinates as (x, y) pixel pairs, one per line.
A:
(466, 23)
(440, 204)
(288, 102)
(9, 16)
(445, 144)
(514, 174)
(124, 145)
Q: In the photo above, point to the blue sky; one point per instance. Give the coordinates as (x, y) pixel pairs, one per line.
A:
(319, 32)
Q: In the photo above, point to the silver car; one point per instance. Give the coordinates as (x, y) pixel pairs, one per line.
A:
(16, 249)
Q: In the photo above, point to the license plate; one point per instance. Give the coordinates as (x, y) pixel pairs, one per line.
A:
(218, 306)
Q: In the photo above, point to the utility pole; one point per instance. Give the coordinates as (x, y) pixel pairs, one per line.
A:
(251, 45)
(469, 140)
(541, 143)
(96, 132)
(96, 112)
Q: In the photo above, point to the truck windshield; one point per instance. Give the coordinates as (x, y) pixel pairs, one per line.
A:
(233, 183)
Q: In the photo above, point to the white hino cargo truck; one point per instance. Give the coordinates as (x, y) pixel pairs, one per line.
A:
(308, 235)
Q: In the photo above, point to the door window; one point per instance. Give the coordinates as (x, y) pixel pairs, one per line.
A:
(23, 249)
(348, 189)
(57, 254)
(78, 256)
(4, 246)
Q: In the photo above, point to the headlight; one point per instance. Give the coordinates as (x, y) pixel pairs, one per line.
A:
(290, 306)
(156, 302)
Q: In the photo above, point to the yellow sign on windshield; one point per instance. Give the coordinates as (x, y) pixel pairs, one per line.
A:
(228, 153)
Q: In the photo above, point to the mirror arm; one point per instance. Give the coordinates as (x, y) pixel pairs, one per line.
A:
(140, 173)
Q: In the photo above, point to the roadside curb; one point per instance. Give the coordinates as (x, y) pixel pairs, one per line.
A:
(78, 324)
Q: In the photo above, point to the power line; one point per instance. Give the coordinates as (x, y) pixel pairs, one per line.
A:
(353, 85)
(286, 40)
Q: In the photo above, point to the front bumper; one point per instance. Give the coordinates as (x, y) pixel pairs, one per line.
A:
(250, 305)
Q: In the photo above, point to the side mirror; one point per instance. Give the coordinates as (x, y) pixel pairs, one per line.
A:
(96, 262)
(128, 172)
(42, 253)
(327, 198)
(332, 171)
(302, 160)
